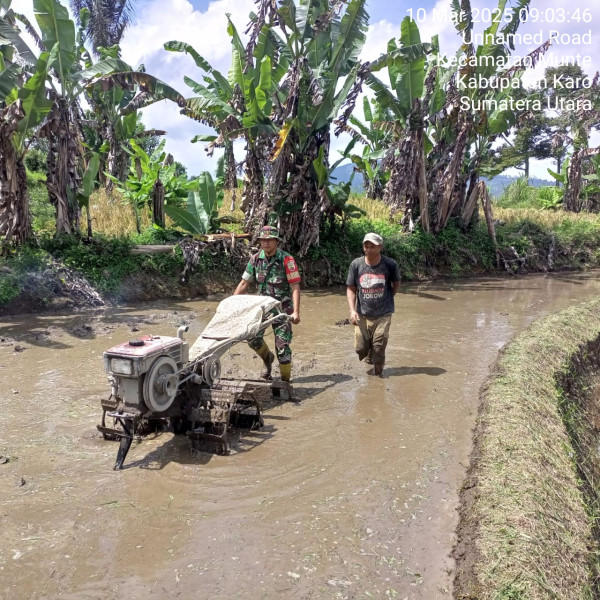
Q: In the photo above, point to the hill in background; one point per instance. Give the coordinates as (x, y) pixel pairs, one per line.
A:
(496, 185)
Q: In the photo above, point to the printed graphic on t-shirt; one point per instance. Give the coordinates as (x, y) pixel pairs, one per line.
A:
(373, 285)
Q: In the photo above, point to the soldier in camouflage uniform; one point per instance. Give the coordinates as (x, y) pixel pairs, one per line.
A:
(276, 274)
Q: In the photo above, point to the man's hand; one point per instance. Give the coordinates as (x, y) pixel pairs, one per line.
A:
(295, 318)
(242, 287)
(353, 317)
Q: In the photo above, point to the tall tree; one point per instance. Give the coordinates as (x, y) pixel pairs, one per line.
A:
(444, 125)
(23, 105)
(323, 40)
(532, 139)
(374, 137)
(107, 21)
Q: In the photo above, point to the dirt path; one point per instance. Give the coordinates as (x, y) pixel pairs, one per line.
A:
(351, 493)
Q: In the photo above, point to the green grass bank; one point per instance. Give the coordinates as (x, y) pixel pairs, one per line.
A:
(54, 273)
(529, 504)
(38, 275)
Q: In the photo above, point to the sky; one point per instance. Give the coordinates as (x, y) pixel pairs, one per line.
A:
(203, 23)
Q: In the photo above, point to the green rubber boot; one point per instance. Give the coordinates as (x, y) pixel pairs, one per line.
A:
(267, 357)
(286, 372)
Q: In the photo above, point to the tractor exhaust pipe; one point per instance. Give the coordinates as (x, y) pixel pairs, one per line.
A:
(183, 329)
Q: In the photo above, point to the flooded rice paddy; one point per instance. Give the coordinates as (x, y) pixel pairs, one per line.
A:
(349, 493)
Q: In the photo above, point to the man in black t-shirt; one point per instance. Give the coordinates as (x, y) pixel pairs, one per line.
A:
(372, 283)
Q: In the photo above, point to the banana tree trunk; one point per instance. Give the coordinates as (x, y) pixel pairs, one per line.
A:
(572, 200)
(15, 220)
(373, 186)
(423, 194)
(486, 203)
(158, 203)
(64, 155)
(445, 198)
(111, 157)
(231, 182)
(476, 191)
(291, 183)
(253, 183)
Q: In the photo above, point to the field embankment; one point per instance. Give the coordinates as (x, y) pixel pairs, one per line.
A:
(50, 273)
(530, 499)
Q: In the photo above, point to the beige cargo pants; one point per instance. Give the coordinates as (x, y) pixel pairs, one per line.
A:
(371, 338)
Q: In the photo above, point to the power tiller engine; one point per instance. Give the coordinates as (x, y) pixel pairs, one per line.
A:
(161, 380)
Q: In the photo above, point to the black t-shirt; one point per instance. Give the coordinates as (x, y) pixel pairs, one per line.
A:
(374, 297)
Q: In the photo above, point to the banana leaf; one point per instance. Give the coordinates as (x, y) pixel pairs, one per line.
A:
(10, 36)
(201, 207)
(103, 67)
(58, 36)
(320, 168)
(263, 91)
(367, 110)
(287, 12)
(88, 182)
(306, 10)
(202, 63)
(350, 42)
(384, 96)
(410, 81)
(35, 103)
(203, 138)
(238, 57)
(184, 218)
(153, 89)
(8, 80)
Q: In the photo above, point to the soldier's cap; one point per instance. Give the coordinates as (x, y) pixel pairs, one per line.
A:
(374, 239)
(269, 233)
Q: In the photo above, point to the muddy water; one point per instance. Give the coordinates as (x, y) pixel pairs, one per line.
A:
(350, 493)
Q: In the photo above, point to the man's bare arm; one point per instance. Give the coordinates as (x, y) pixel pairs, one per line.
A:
(351, 297)
(242, 287)
(296, 300)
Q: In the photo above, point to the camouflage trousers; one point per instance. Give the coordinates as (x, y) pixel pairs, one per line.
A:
(371, 338)
(283, 339)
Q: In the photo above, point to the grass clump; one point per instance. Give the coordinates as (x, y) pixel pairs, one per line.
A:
(44, 218)
(22, 271)
(524, 529)
(520, 195)
(104, 262)
(420, 255)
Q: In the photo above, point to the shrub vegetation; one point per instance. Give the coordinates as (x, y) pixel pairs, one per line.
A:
(530, 238)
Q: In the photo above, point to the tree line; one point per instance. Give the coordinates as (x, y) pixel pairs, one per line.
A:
(292, 84)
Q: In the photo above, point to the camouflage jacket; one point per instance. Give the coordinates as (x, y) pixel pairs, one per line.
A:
(273, 276)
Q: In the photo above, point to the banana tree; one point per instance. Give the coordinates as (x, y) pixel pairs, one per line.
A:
(23, 105)
(374, 137)
(201, 213)
(111, 122)
(240, 105)
(214, 107)
(415, 95)
(322, 42)
(581, 168)
(62, 124)
(439, 143)
(70, 62)
(152, 183)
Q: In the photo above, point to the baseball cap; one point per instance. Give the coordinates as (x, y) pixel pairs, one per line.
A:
(268, 233)
(374, 239)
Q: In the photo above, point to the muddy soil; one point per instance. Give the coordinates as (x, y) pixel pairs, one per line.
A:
(350, 493)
